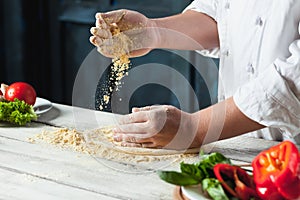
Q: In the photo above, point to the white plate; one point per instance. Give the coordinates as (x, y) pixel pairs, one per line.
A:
(41, 106)
(194, 192)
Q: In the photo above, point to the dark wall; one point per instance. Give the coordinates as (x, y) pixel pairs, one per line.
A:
(27, 43)
(2, 56)
(44, 42)
(34, 45)
(37, 45)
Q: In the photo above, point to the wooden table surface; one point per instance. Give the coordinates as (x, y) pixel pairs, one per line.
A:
(42, 171)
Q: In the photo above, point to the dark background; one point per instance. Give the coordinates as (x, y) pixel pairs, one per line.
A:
(44, 42)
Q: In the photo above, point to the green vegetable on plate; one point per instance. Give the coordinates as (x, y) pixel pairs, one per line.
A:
(193, 174)
(214, 188)
(16, 112)
(201, 172)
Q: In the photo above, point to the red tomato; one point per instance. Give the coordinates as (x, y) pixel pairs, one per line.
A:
(0, 93)
(22, 91)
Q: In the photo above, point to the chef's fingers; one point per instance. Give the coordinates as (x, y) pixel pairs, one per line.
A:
(127, 144)
(93, 40)
(112, 17)
(132, 128)
(104, 51)
(101, 33)
(96, 40)
(149, 145)
(132, 138)
(146, 108)
(135, 117)
(104, 44)
(100, 23)
(143, 145)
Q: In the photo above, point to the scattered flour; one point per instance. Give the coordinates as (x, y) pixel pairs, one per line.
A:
(100, 143)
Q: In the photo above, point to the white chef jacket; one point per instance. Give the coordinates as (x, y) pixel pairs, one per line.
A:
(259, 61)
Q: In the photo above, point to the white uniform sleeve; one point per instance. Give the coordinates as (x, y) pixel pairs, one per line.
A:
(210, 8)
(273, 98)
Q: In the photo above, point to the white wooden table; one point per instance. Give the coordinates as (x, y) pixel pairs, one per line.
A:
(40, 171)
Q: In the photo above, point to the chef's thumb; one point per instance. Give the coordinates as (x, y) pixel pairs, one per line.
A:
(112, 16)
(135, 109)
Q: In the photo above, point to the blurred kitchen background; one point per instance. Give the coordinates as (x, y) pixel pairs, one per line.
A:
(44, 43)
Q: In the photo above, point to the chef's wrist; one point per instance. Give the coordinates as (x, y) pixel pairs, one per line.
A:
(196, 129)
(156, 28)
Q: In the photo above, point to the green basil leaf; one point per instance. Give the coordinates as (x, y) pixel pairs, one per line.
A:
(178, 178)
(193, 170)
(214, 189)
(207, 163)
(193, 174)
(212, 159)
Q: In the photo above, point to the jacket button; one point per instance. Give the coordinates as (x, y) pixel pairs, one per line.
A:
(259, 21)
(227, 5)
(250, 68)
(226, 53)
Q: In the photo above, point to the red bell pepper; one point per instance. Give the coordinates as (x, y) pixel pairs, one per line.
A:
(276, 172)
(236, 181)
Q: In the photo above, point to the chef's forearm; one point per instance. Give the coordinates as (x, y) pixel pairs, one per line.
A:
(223, 120)
(187, 31)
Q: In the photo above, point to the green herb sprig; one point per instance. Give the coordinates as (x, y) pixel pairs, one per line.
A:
(200, 172)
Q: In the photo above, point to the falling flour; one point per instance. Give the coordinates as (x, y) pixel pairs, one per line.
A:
(119, 48)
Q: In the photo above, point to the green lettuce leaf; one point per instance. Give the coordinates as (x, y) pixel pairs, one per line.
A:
(16, 112)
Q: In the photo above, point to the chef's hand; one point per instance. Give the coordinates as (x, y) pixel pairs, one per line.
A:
(158, 127)
(139, 35)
